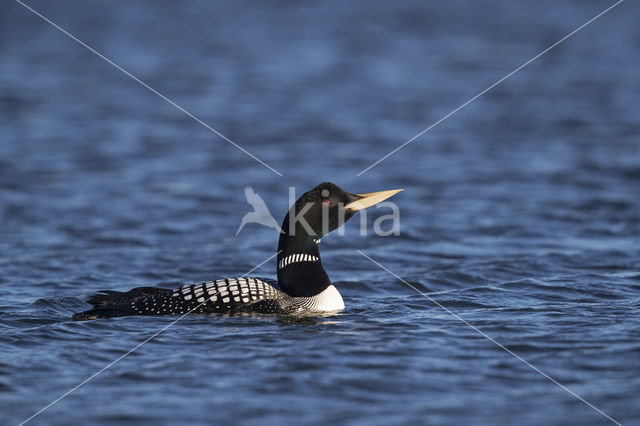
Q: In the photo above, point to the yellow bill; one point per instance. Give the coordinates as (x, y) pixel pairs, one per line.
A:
(370, 199)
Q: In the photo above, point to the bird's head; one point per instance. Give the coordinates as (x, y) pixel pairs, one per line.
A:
(325, 208)
(316, 213)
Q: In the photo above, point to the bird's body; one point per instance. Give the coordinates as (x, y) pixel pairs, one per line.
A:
(230, 295)
(302, 288)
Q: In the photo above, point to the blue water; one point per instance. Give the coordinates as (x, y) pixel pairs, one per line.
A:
(521, 212)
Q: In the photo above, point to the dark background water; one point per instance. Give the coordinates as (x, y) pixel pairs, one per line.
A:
(521, 212)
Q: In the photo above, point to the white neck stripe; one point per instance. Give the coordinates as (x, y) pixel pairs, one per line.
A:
(295, 258)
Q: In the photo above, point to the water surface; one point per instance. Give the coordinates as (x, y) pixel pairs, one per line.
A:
(521, 212)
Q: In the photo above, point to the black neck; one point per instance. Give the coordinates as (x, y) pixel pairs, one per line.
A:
(302, 278)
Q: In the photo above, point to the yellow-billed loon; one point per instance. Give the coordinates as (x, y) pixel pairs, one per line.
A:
(303, 286)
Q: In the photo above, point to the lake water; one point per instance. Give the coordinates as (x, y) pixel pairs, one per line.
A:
(521, 212)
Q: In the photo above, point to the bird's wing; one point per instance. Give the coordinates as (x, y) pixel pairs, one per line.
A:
(213, 296)
(255, 200)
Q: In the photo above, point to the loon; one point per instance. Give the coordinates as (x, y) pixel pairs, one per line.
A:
(302, 287)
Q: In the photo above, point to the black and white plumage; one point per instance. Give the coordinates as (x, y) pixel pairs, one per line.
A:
(230, 295)
(303, 286)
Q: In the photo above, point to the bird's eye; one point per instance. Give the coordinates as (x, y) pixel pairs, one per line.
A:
(326, 202)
